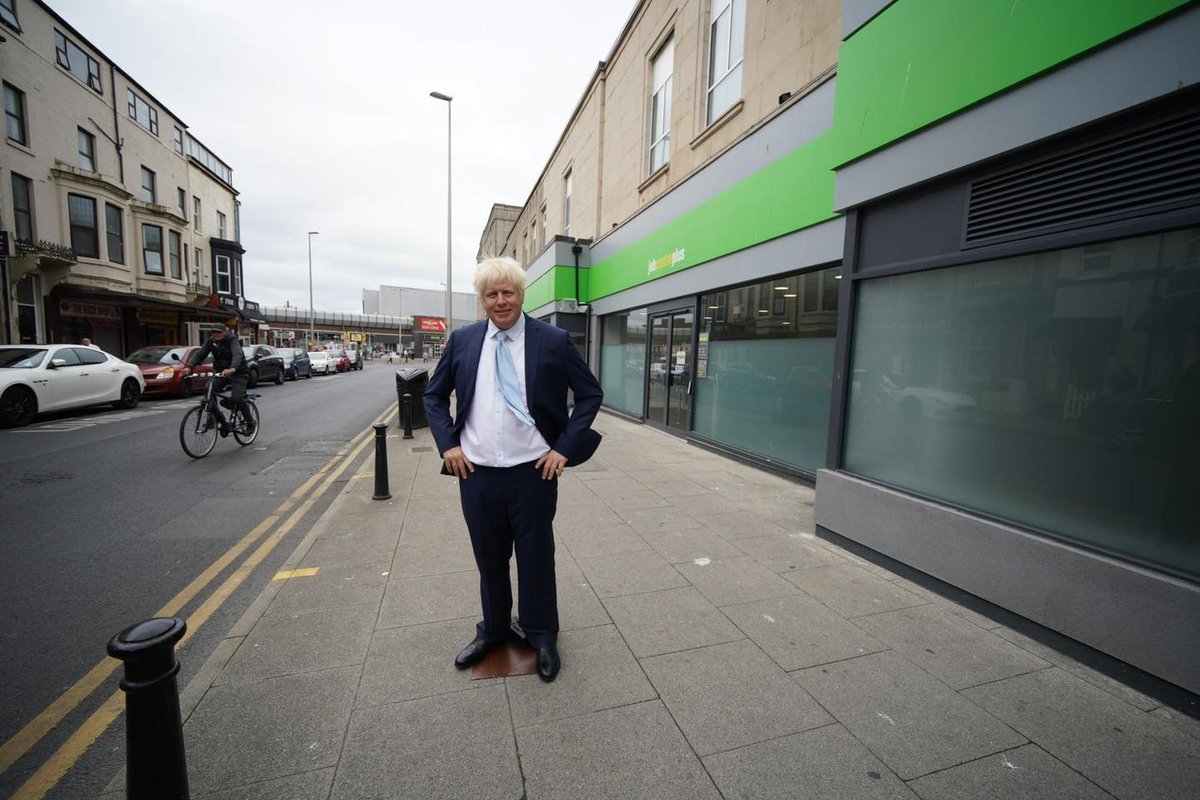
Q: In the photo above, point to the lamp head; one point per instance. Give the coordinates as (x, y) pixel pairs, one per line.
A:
(440, 96)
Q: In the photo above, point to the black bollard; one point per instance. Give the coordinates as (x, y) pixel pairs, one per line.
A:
(381, 476)
(155, 765)
(406, 412)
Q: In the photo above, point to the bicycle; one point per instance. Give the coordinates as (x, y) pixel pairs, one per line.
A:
(201, 425)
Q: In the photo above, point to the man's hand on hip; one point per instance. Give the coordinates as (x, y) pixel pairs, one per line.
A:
(457, 462)
(551, 464)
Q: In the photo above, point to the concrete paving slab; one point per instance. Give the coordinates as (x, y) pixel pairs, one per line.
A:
(361, 525)
(332, 587)
(949, 603)
(256, 732)
(1181, 721)
(305, 786)
(1101, 681)
(730, 695)
(630, 573)
(788, 551)
(690, 544)
(601, 540)
(578, 605)
(616, 754)
(822, 764)
(1126, 751)
(671, 488)
(598, 672)
(415, 661)
(628, 502)
(1028, 772)
(725, 581)
(659, 519)
(673, 619)
(742, 525)
(457, 745)
(913, 722)
(585, 516)
(432, 598)
(950, 648)
(448, 552)
(341, 551)
(797, 631)
(288, 643)
(851, 590)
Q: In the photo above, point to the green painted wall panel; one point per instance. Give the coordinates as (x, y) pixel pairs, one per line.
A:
(922, 60)
(917, 62)
(794, 192)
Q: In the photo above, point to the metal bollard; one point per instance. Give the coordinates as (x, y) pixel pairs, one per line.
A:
(155, 765)
(406, 412)
(381, 474)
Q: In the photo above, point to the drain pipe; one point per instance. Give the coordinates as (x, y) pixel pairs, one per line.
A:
(576, 249)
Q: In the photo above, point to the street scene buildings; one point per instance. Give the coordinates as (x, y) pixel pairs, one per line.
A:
(941, 259)
(895, 305)
(123, 226)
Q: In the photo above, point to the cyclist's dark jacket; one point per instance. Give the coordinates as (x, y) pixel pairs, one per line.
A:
(226, 353)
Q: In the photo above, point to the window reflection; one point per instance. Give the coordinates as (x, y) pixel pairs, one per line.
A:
(764, 364)
(1060, 390)
(623, 360)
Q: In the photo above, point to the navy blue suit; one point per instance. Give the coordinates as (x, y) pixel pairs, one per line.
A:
(511, 506)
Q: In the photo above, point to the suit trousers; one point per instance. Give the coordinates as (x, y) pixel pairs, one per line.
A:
(507, 507)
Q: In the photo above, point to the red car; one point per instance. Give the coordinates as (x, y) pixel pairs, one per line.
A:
(341, 360)
(166, 372)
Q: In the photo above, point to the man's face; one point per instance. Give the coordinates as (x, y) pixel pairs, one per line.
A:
(502, 303)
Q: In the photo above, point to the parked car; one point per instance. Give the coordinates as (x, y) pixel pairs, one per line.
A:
(340, 359)
(296, 363)
(166, 372)
(357, 359)
(264, 364)
(320, 362)
(38, 378)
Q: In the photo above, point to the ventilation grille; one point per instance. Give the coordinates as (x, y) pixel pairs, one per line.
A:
(1151, 169)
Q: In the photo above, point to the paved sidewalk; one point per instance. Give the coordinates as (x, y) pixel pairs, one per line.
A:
(712, 647)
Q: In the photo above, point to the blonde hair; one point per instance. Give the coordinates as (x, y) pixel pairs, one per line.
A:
(492, 271)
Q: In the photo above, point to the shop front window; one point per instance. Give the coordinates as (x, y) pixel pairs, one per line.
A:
(764, 366)
(1042, 389)
(623, 361)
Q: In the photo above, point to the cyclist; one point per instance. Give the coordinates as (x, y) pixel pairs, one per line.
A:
(229, 363)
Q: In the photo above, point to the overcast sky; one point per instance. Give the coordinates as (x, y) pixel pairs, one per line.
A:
(323, 111)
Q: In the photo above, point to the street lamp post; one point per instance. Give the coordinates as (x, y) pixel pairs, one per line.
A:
(449, 290)
(310, 292)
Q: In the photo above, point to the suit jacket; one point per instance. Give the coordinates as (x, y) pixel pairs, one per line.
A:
(552, 366)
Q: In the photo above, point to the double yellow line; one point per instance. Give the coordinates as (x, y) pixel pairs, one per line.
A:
(54, 768)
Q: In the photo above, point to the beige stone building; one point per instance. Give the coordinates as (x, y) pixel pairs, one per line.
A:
(123, 226)
(677, 90)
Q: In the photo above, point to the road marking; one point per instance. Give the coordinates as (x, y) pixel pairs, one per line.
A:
(306, 572)
(70, 752)
(61, 425)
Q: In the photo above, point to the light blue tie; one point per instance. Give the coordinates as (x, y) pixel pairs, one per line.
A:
(506, 374)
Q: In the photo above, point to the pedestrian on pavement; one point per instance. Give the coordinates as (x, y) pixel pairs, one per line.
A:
(508, 443)
(86, 342)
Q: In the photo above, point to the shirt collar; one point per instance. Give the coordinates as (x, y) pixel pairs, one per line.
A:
(514, 333)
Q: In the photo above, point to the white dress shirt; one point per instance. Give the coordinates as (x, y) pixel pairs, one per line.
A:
(493, 436)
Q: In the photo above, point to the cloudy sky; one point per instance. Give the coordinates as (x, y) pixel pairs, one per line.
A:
(323, 111)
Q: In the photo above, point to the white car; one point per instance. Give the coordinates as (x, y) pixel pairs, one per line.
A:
(39, 378)
(322, 362)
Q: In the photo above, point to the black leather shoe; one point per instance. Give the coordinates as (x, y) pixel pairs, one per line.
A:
(548, 663)
(472, 653)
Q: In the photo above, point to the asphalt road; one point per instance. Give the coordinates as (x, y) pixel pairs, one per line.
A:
(104, 519)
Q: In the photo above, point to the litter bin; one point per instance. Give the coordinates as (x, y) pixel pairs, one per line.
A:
(412, 381)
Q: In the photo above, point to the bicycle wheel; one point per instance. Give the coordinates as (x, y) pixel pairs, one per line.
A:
(198, 432)
(239, 426)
